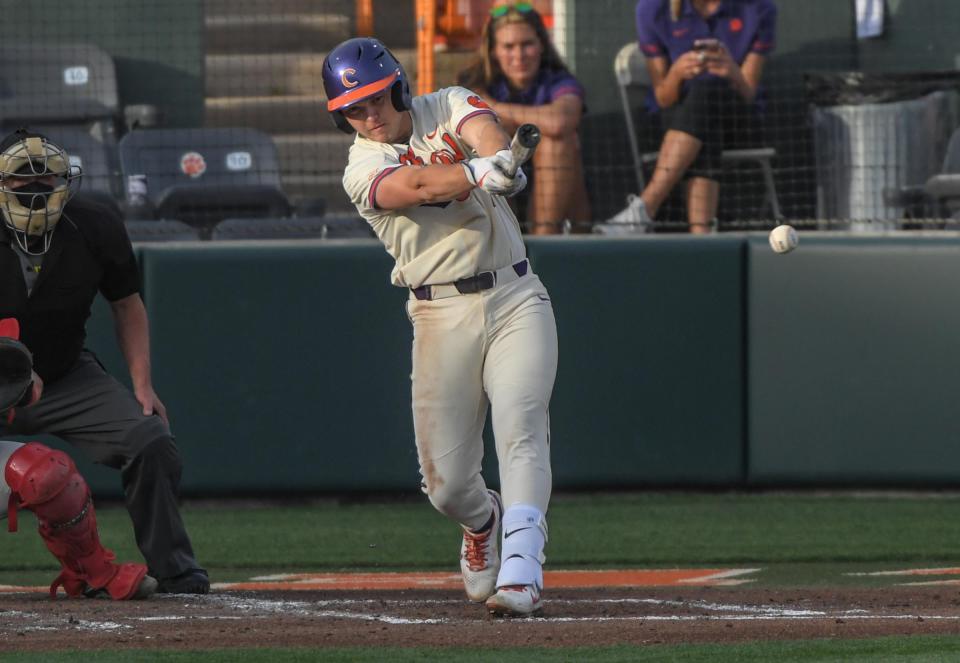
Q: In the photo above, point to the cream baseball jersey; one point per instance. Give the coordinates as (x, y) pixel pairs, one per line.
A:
(440, 242)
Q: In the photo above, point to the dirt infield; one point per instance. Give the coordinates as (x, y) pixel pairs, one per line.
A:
(572, 617)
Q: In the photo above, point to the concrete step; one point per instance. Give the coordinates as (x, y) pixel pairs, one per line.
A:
(267, 7)
(448, 64)
(313, 154)
(393, 21)
(264, 75)
(275, 115)
(274, 74)
(269, 33)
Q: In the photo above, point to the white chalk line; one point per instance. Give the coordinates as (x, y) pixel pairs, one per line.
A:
(336, 608)
(339, 609)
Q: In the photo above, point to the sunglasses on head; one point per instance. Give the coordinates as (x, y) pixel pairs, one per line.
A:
(501, 10)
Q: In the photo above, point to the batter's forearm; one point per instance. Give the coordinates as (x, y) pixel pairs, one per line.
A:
(485, 135)
(492, 138)
(418, 185)
(441, 182)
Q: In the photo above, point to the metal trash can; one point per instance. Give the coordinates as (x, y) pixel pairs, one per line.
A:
(865, 147)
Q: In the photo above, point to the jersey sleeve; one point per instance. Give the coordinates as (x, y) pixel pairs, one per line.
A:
(460, 104)
(365, 171)
(650, 42)
(766, 37)
(565, 84)
(121, 275)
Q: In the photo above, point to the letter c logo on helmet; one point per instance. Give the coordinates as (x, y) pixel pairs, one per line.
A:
(358, 69)
(346, 81)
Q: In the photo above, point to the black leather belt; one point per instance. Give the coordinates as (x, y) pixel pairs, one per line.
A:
(471, 284)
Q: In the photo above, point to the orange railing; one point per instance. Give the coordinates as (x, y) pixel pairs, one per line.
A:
(426, 17)
(435, 28)
(364, 18)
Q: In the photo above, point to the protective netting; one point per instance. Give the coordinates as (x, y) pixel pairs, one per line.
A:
(200, 111)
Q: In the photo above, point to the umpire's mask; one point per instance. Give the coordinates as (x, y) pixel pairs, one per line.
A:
(36, 181)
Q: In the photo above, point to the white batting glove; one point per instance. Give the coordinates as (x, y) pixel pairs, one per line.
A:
(490, 174)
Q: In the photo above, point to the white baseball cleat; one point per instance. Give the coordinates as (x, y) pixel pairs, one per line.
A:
(516, 601)
(480, 556)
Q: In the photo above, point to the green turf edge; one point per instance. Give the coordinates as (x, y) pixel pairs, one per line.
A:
(586, 531)
(916, 649)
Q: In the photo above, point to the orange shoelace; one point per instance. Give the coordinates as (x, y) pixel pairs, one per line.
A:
(476, 553)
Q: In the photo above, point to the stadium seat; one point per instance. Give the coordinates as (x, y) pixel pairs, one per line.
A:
(98, 161)
(58, 85)
(944, 187)
(160, 230)
(100, 198)
(938, 197)
(308, 227)
(347, 226)
(203, 176)
(631, 71)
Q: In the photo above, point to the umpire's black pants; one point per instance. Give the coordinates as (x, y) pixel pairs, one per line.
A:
(92, 411)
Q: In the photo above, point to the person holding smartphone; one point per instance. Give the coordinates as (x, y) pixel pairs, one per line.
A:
(705, 59)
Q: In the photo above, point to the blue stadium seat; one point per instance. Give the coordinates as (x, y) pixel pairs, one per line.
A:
(202, 176)
(309, 227)
(160, 230)
(938, 197)
(945, 186)
(347, 227)
(99, 162)
(58, 85)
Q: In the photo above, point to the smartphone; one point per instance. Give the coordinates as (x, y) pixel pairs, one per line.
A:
(706, 45)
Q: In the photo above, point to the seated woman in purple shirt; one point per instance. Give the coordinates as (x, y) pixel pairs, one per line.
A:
(521, 76)
(705, 59)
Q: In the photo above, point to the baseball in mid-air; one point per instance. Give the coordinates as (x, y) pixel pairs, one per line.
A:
(784, 238)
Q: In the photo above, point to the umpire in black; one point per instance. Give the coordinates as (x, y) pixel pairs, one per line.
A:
(56, 256)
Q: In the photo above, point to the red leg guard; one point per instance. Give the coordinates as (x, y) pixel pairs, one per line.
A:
(47, 482)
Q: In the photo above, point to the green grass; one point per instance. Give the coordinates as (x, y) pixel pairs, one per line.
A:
(799, 533)
(798, 539)
(921, 649)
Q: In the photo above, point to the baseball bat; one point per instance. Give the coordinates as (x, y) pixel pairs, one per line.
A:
(522, 146)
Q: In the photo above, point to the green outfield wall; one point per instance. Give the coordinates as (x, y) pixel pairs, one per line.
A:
(684, 361)
(854, 361)
(649, 384)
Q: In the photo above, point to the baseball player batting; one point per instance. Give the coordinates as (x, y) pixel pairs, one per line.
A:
(429, 174)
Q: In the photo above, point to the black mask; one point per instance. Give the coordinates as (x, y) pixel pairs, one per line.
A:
(33, 195)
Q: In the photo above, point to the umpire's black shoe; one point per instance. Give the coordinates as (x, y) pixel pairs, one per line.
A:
(145, 589)
(191, 581)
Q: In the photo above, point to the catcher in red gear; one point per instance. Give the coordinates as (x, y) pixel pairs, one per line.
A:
(46, 481)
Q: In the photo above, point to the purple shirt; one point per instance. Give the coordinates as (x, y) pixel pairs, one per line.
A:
(547, 87)
(744, 27)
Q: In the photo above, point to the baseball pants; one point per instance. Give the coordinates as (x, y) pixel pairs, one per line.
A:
(496, 348)
(92, 411)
